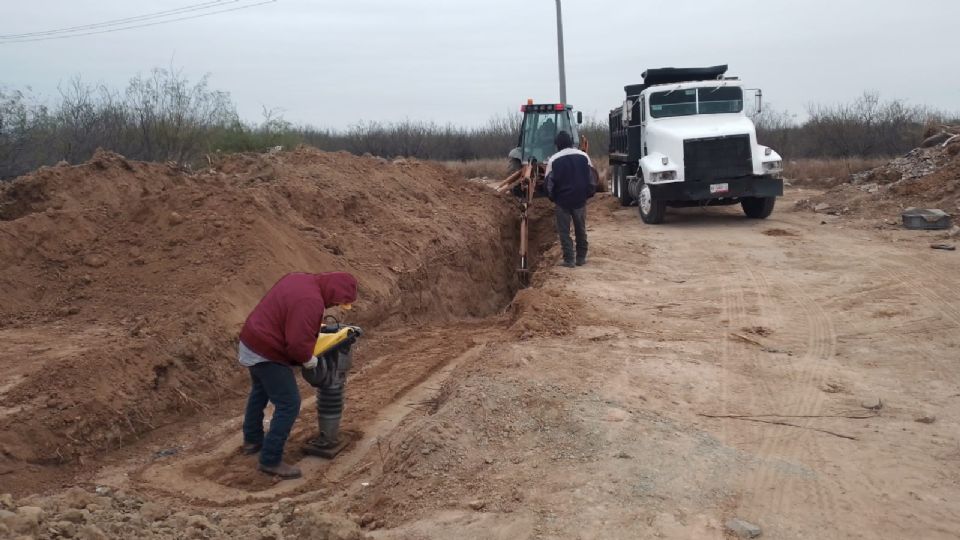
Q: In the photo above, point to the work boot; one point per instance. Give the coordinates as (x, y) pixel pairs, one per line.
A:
(282, 470)
(249, 449)
(567, 263)
(581, 260)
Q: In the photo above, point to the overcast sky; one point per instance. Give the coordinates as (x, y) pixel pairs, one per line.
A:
(334, 62)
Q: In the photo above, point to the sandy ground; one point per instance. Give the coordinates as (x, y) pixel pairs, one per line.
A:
(798, 374)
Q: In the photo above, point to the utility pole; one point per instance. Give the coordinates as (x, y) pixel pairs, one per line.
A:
(563, 73)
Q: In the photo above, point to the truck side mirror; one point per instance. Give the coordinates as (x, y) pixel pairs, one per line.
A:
(759, 101)
(579, 117)
(627, 113)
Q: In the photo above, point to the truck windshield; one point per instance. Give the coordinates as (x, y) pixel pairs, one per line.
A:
(690, 101)
(720, 99)
(539, 131)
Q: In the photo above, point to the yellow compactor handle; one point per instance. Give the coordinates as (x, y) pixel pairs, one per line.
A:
(326, 342)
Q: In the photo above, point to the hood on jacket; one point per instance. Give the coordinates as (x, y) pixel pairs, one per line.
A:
(337, 288)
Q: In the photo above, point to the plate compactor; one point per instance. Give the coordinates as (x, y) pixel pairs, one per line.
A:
(329, 377)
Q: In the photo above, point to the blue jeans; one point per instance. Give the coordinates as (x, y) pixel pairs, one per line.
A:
(275, 383)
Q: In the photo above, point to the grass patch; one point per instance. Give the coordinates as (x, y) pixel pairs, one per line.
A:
(829, 172)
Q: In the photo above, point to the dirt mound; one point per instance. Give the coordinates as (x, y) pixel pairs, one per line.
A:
(125, 283)
(927, 177)
(103, 513)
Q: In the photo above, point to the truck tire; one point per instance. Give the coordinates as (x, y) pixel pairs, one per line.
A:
(514, 166)
(652, 211)
(623, 187)
(612, 181)
(758, 207)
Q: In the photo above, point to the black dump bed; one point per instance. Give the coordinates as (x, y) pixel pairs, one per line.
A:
(669, 75)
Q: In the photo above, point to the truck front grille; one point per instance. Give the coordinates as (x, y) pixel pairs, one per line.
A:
(717, 158)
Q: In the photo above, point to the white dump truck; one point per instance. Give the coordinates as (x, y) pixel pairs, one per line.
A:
(682, 138)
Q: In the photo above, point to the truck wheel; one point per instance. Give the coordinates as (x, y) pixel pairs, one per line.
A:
(623, 187)
(652, 211)
(758, 207)
(514, 166)
(613, 180)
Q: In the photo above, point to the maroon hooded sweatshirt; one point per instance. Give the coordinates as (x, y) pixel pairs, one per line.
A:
(283, 327)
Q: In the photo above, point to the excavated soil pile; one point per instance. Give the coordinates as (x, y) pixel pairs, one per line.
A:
(104, 513)
(923, 178)
(125, 283)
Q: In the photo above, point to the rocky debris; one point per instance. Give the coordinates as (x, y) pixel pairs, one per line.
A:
(312, 522)
(926, 419)
(25, 520)
(872, 404)
(477, 505)
(925, 177)
(943, 247)
(175, 218)
(95, 260)
(743, 529)
(151, 511)
(92, 532)
(74, 515)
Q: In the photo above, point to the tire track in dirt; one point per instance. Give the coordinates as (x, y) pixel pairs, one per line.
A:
(771, 487)
(756, 485)
(942, 303)
(807, 444)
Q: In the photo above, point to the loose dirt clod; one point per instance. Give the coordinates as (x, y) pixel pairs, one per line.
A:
(743, 529)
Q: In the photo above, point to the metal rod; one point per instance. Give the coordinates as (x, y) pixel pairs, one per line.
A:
(563, 72)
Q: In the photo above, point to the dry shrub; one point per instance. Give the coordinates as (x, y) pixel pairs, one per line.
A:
(479, 168)
(828, 172)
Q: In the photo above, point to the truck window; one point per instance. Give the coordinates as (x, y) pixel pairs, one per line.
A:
(720, 99)
(673, 103)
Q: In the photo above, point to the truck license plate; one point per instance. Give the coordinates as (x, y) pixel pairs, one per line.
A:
(719, 188)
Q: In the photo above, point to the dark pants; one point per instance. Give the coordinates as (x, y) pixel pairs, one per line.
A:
(278, 384)
(579, 219)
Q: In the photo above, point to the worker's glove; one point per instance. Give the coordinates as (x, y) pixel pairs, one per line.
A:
(311, 363)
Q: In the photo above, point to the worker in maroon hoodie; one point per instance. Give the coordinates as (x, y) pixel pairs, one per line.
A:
(279, 334)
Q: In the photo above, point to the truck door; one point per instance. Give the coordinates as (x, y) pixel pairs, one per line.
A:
(643, 124)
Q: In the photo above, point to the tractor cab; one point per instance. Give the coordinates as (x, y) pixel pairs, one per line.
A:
(541, 123)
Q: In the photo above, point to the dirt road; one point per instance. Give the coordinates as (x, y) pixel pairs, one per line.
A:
(601, 433)
(799, 375)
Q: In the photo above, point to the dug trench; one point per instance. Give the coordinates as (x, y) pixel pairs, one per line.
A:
(125, 285)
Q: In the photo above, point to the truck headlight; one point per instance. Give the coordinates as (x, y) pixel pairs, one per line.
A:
(773, 166)
(662, 176)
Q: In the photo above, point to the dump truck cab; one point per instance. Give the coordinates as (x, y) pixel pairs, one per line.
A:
(682, 138)
(540, 125)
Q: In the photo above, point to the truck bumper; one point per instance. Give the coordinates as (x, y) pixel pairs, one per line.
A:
(751, 186)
